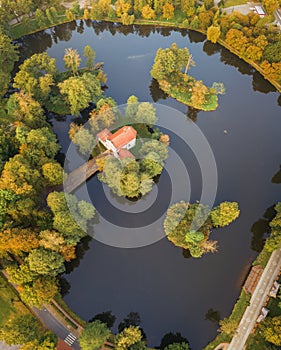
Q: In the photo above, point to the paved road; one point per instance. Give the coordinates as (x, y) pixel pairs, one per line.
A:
(54, 325)
(3, 346)
(244, 9)
(257, 301)
(277, 15)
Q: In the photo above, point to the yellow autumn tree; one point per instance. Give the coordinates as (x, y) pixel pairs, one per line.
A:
(148, 13)
(168, 11)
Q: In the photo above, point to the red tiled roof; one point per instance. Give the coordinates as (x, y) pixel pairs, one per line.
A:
(63, 346)
(124, 153)
(123, 136)
(104, 134)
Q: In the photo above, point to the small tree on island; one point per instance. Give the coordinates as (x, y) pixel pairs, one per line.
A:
(224, 214)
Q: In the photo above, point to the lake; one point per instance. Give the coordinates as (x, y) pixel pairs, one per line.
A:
(171, 292)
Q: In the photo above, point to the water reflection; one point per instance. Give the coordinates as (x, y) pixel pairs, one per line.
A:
(192, 114)
(261, 228)
(213, 315)
(132, 319)
(106, 317)
(63, 32)
(171, 338)
(155, 92)
(195, 37)
(81, 249)
(64, 286)
(80, 27)
(210, 48)
(276, 179)
(41, 41)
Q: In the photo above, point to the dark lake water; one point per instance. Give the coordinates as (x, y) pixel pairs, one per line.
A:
(173, 293)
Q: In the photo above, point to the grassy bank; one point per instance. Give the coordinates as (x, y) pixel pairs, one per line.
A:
(235, 317)
(10, 303)
(58, 298)
(210, 105)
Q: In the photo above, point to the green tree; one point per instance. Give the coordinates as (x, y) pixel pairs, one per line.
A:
(41, 291)
(130, 184)
(169, 61)
(224, 214)
(35, 76)
(8, 57)
(49, 15)
(21, 274)
(132, 107)
(26, 110)
(86, 210)
(53, 173)
(228, 326)
(271, 330)
(20, 330)
(40, 17)
(94, 335)
(80, 91)
(128, 337)
(90, 55)
(146, 113)
(272, 52)
(76, 8)
(45, 262)
(83, 138)
(154, 150)
(70, 215)
(72, 60)
(151, 166)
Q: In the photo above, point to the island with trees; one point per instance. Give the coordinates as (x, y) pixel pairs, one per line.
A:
(137, 150)
(168, 71)
(189, 225)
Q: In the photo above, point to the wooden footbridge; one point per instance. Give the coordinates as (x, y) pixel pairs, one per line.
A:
(78, 176)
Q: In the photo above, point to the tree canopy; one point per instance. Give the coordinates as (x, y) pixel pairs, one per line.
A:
(36, 76)
(94, 335)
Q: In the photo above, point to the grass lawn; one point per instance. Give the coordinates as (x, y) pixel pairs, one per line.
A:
(230, 3)
(10, 303)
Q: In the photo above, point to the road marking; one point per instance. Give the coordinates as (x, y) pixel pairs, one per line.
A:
(70, 339)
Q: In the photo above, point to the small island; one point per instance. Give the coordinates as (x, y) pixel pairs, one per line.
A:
(167, 70)
(137, 150)
(189, 225)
